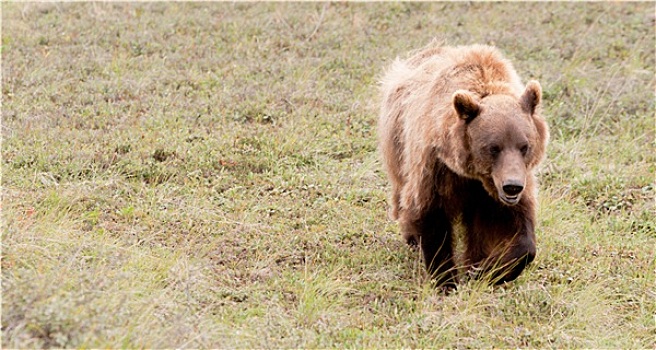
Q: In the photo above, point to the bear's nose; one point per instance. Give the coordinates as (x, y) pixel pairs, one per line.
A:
(513, 189)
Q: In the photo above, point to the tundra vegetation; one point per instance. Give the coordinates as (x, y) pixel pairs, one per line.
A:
(206, 175)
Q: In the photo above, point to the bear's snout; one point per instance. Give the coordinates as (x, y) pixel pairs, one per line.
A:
(511, 191)
(513, 188)
(509, 177)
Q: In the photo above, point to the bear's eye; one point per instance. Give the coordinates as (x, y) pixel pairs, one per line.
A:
(495, 150)
(524, 150)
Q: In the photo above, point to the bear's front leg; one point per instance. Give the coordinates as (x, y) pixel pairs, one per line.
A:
(432, 231)
(500, 241)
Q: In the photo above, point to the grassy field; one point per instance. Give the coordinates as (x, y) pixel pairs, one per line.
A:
(206, 175)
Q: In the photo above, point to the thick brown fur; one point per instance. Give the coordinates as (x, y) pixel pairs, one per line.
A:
(460, 137)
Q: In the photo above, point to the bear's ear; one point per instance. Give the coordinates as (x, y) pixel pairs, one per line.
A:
(466, 105)
(532, 96)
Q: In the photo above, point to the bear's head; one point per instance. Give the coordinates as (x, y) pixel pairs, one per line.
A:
(506, 138)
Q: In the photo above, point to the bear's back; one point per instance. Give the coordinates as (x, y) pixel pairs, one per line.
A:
(480, 69)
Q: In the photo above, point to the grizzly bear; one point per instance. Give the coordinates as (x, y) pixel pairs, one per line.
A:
(460, 137)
